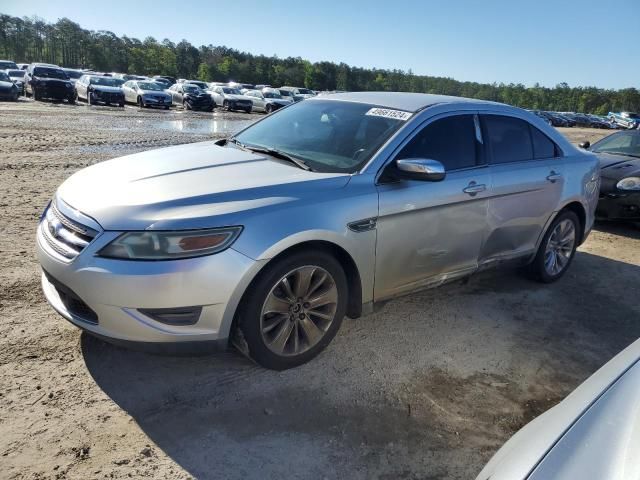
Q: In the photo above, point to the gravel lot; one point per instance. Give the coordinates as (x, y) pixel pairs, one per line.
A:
(427, 388)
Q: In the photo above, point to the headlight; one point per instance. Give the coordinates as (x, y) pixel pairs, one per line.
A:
(629, 183)
(170, 245)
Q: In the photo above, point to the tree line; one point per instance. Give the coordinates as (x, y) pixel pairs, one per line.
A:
(67, 44)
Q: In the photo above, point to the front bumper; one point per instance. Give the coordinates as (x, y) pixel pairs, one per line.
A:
(116, 290)
(619, 207)
(157, 101)
(107, 97)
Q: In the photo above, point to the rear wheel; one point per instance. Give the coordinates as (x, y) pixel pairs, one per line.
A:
(268, 109)
(225, 106)
(186, 105)
(36, 95)
(557, 248)
(294, 309)
(140, 102)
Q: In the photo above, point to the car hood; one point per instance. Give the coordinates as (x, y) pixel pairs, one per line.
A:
(529, 447)
(279, 101)
(198, 185)
(154, 92)
(604, 442)
(107, 89)
(236, 97)
(6, 85)
(616, 167)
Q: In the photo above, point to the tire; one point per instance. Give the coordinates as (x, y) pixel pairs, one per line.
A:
(247, 110)
(554, 251)
(226, 106)
(121, 104)
(186, 105)
(15, 97)
(140, 102)
(36, 95)
(268, 109)
(89, 98)
(71, 100)
(75, 97)
(209, 109)
(296, 317)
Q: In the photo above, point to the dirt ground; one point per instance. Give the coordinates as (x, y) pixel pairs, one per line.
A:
(427, 388)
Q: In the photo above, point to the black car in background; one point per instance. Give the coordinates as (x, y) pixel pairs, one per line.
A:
(619, 156)
(191, 97)
(8, 89)
(98, 89)
(48, 81)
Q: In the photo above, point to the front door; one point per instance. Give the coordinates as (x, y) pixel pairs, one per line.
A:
(432, 232)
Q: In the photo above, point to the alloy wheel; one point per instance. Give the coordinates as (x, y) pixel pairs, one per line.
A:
(299, 310)
(559, 247)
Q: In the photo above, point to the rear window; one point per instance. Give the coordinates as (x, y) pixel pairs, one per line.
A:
(509, 139)
(543, 147)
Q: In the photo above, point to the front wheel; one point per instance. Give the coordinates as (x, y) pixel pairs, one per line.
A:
(226, 106)
(557, 249)
(140, 102)
(294, 309)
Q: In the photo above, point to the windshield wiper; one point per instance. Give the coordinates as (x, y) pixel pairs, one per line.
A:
(278, 154)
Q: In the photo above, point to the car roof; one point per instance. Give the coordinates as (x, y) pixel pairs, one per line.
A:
(410, 102)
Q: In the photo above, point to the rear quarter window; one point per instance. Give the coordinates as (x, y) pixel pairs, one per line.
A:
(509, 139)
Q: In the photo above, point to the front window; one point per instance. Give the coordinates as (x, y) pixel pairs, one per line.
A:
(45, 72)
(73, 73)
(150, 86)
(191, 88)
(305, 91)
(622, 143)
(329, 136)
(286, 93)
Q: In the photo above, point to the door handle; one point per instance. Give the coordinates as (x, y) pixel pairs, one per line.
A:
(553, 176)
(474, 188)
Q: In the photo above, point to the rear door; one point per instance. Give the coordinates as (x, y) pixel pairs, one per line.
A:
(527, 181)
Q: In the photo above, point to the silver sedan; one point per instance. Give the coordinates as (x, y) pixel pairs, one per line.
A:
(146, 93)
(318, 211)
(594, 433)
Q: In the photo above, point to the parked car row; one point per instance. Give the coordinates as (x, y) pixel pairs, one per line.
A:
(573, 119)
(46, 81)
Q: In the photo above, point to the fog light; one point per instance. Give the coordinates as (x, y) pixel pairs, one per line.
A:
(173, 316)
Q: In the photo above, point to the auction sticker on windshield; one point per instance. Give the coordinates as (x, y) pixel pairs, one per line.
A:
(388, 113)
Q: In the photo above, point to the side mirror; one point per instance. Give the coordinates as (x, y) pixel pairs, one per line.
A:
(423, 169)
(584, 145)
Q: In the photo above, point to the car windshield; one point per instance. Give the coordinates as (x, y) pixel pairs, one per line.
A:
(16, 73)
(632, 115)
(45, 72)
(4, 77)
(329, 136)
(305, 91)
(106, 81)
(231, 91)
(286, 93)
(150, 86)
(621, 143)
(191, 88)
(271, 95)
(73, 73)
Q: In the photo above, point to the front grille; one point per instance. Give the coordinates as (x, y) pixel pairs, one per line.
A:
(72, 302)
(65, 236)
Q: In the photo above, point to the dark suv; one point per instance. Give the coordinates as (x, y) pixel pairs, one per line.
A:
(48, 81)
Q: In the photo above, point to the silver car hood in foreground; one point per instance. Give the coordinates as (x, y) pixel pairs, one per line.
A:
(593, 433)
(198, 185)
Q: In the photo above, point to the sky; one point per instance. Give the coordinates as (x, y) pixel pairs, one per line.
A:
(580, 42)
